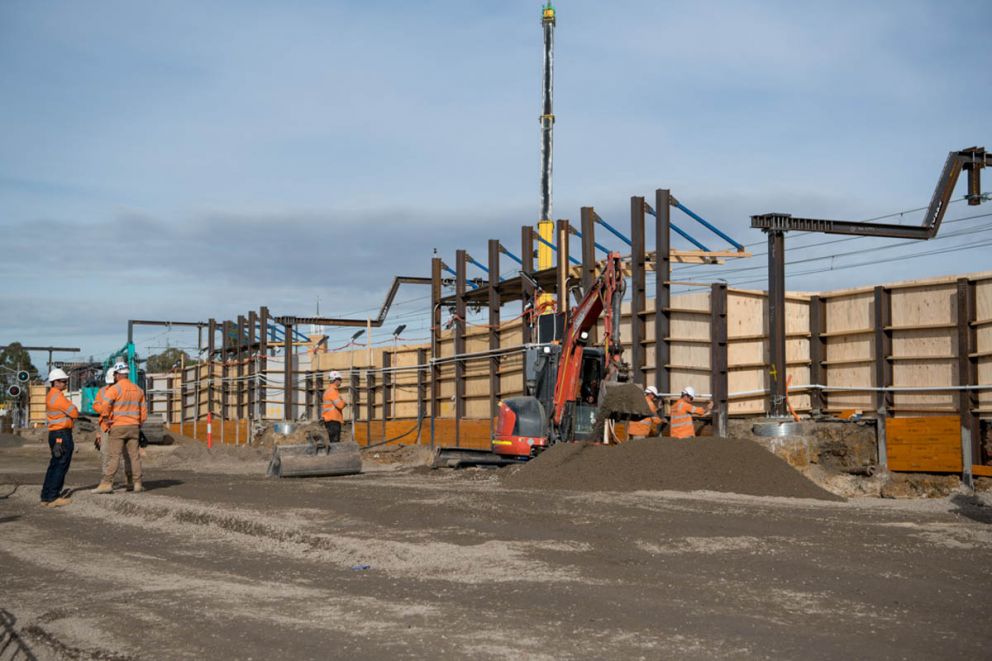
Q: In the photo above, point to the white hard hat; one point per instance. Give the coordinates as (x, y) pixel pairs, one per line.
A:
(651, 390)
(120, 367)
(109, 378)
(689, 390)
(57, 375)
(334, 375)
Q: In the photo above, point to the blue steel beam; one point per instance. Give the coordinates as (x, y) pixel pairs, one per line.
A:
(552, 246)
(454, 273)
(707, 225)
(675, 227)
(481, 266)
(510, 255)
(595, 243)
(614, 231)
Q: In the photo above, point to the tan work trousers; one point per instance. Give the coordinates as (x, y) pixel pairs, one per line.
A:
(119, 440)
(105, 454)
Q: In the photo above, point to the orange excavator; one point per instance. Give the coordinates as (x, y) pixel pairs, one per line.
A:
(581, 375)
(570, 386)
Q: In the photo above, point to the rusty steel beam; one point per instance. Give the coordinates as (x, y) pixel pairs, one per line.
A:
(817, 352)
(528, 297)
(638, 290)
(719, 371)
(458, 329)
(494, 321)
(776, 323)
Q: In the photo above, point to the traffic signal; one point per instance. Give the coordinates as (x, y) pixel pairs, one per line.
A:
(14, 391)
(23, 376)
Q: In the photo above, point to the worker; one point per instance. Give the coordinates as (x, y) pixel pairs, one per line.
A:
(126, 410)
(61, 413)
(682, 412)
(650, 425)
(100, 443)
(332, 407)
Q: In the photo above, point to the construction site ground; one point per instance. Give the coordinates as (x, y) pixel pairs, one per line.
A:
(216, 561)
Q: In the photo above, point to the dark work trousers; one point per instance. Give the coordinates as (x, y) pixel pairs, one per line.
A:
(333, 430)
(57, 467)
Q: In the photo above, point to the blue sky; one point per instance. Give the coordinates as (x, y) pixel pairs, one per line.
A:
(191, 160)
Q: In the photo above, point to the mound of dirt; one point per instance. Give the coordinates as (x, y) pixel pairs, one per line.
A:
(702, 464)
(268, 436)
(191, 454)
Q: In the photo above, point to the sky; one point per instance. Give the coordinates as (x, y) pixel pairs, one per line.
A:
(189, 160)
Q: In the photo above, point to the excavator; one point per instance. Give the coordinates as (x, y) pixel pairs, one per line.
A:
(571, 387)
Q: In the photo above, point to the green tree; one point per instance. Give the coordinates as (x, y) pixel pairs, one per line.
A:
(14, 357)
(165, 361)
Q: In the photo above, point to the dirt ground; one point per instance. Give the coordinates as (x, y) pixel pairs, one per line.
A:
(406, 562)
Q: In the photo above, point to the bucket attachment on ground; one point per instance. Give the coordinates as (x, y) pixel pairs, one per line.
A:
(315, 458)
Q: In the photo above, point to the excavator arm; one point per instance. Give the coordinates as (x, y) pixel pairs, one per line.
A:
(602, 299)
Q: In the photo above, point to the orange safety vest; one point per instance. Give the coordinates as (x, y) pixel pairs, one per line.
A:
(643, 427)
(123, 404)
(99, 408)
(332, 405)
(682, 412)
(60, 411)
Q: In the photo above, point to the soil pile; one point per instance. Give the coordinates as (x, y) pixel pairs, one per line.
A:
(702, 464)
(300, 434)
(194, 455)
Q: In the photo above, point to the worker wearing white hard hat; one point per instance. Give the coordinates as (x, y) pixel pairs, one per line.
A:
(332, 407)
(100, 443)
(682, 412)
(61, 414)
(651, 425)
(125, 408)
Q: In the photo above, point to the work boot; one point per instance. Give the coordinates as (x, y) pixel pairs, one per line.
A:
(60, 502)
(104, 487)
(45, 503)
(138, 487)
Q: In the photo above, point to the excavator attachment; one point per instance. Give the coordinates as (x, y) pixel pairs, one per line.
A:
(315, 458)
(623, 401)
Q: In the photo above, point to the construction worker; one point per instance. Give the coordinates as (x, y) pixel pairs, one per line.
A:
(104, 423)
(652, 424)
(61, 413)
(682, 412)
(332, 408)
(124, 406)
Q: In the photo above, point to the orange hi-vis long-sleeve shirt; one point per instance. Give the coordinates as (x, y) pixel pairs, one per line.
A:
(123, 404)
(682, 412)
(332, 406)
(60, 411)
(98, 407)
(644, 427)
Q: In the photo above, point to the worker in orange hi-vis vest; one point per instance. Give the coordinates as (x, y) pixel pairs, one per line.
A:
(61, 413)
(124, 406)
(651, 425)
(101, 441)
(682, 412)
(332, 408)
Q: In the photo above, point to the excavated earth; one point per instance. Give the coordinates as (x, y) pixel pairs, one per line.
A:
(701, 464)
(215, 561)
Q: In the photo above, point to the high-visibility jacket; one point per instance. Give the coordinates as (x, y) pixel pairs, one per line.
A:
(124, 405)
(332, 406)
(60, 411)
(98, 406)
(682, 412)
(646, 426)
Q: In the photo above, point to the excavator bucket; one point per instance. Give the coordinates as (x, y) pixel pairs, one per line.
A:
(315, 458)
(623, 401)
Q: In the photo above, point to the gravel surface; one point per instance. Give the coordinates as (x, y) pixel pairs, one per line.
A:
(701, 464)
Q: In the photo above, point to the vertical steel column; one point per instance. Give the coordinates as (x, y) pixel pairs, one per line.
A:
(817, 353)
(588, 220)
(663, 290)
(776, 323)
(263, 362)
(318, 378)
(883, 366)
(562, 270)
(240, 385)
(356, 403)
(527, 290)
(422, 395)
(971, 440)
(369, 401)
(638, 290)
(288, 397)
(494, 319)
(461, 265)
(435, 342)
(225, 370)
(211, 346)
(720, 382)
(387, 393)
(250, 366)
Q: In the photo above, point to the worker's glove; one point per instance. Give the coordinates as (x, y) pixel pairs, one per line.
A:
(142, 440)
(96, 444)
(58, 450)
